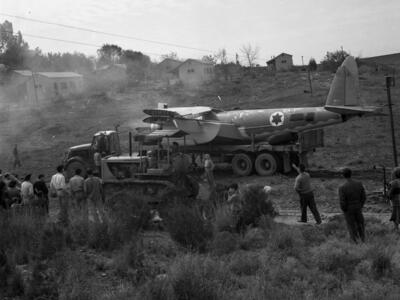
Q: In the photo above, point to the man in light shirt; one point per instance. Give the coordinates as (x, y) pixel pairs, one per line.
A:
(27, 190)
(58, 188)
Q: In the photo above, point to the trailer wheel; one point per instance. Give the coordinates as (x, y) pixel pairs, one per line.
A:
(267, 164)
(242, 164)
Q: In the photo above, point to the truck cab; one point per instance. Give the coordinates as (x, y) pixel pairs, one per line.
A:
(82, 156)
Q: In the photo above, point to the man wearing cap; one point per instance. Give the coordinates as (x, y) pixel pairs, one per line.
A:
(352, 198)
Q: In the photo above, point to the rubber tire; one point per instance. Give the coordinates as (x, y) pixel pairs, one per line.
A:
(72, 166)
(267, 164)
(242, 164)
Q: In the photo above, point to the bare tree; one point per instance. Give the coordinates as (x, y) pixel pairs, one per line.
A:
(171, 55)
(250, 53)
(221, 56)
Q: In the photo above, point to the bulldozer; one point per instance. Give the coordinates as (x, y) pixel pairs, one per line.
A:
(154, 173)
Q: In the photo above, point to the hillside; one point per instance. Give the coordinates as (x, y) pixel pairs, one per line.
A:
(44, 133)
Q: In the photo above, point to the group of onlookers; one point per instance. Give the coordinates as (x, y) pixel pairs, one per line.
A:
(79, 193)
(15, 192)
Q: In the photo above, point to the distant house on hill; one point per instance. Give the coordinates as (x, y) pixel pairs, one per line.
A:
(37, 86)
(391, 60)
(111, 73)
(165, 67)
(194, 72)
(282, 62)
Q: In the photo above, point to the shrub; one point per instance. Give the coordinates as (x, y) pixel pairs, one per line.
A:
(11, 283)
(244, 263)
(42, 284)
(336, 226)
(255, 204)
(224, 219)
(381, 263)
(130, 261)
(254, 238)
(76, 279)
(224, 243)
(53, 239)
(313, 235)
(195, 277)
(20, 233)
(288, 241)
(338, 257)
(188, 228)
(99, 236)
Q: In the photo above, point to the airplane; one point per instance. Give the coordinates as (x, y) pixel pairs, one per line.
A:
(207, 125)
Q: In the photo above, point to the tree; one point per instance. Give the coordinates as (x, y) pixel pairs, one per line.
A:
(109, 54)
(312, 65)
(13, 48)
(333, 60)
(137, 64)
(250, 53)
(209, 59)
(171, 55)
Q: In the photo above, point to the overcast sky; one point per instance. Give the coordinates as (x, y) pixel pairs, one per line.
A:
(307, 28)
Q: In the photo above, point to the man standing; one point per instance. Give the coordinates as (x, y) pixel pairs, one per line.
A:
(17, 161)
(27, 191)
(97, 161)
(352, 198)
(76, 186)
(302, 186)
(42, 193)
(58, 188)
(93, 191)
(208, 170)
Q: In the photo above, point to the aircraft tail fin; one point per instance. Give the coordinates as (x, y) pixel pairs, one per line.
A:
(343, 95)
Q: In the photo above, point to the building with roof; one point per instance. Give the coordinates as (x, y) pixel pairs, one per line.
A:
(32, 87)
(194, 72)
(282, 62)
(165, 67)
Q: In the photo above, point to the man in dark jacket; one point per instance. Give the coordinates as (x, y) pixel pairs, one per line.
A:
(42, 193)
(352, 198)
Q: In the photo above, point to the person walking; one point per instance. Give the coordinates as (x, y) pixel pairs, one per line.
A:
(394, 196)
(303, 187)
(352, 198)
(58, 189)
(27, 193)
(17, 161)
(93, 192)
(77, 191)
(42, 193)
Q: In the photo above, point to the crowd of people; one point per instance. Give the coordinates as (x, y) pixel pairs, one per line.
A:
(85, 195)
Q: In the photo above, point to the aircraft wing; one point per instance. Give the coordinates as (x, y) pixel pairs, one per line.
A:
(354, 110)
(173, 112)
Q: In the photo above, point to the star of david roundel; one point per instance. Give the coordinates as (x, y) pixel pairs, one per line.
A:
(277, 118)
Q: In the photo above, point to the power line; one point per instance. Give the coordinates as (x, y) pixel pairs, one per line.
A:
(72, 42)
(105, 33)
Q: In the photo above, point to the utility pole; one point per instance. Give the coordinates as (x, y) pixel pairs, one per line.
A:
(389, 83)
(35, 87)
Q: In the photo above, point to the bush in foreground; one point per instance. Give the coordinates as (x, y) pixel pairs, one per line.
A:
(187, 227)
